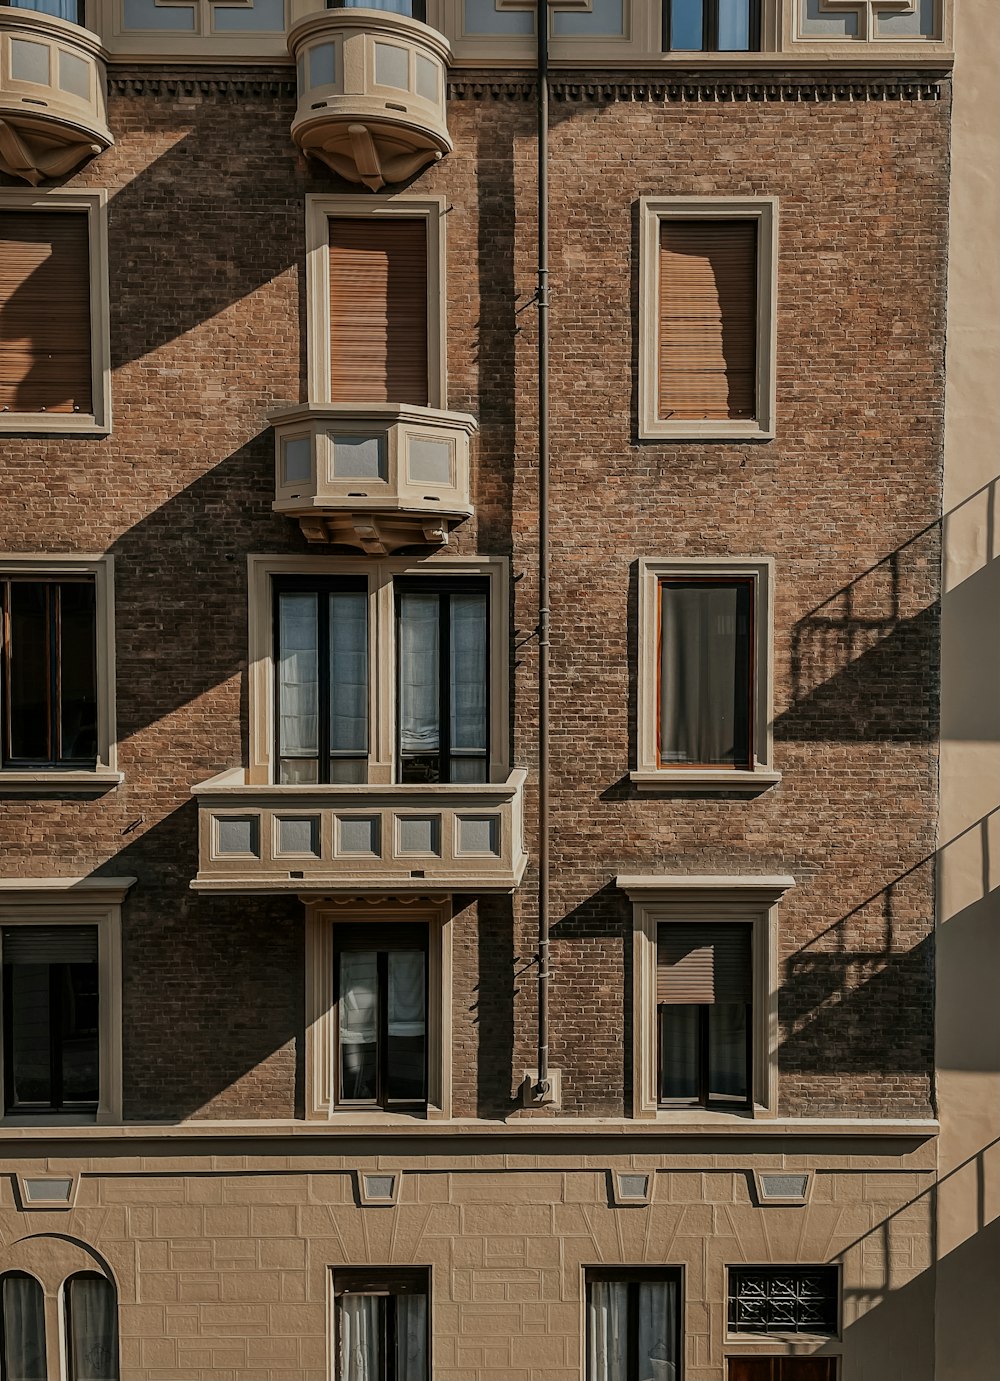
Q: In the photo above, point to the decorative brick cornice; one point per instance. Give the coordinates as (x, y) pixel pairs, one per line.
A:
(221, 86)
(708, 90)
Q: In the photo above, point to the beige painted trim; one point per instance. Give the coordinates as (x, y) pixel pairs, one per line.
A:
(753, 900)
(320, 208)
(95, 204)
(380, 575)
(322, 916)
(760, 569)
(106, 773)
(654, 210)
(51, 902)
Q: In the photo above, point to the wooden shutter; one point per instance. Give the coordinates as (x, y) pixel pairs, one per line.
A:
(703, 963)
(45, 363)
(378, 310)
(708, 319)
(54, 944)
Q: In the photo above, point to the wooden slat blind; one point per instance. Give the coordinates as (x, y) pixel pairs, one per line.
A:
(378, 310)
(45, 363)
(708, 319)
(703, 963)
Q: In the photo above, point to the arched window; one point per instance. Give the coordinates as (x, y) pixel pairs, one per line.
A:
(91, 1328)
(22, 1328)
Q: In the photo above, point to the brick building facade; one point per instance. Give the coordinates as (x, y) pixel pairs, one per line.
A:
(222, 1181)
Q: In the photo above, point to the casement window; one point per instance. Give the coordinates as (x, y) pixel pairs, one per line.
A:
(707, 314)
(704, 996)
(91, 1321)
(57, 715)
(704, 658)
(782, 1300)
(58, 1315)
(633, 1324)
(22, 1321)
(711, 26)
(381, 1025)
(381, 1325)
(54, 352)
(375, 274)
(443, 690)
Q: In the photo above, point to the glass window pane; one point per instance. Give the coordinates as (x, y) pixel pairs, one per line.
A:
(607, 1330)
(687, 25)
(28, 1034)
(358, 1025)
(411, 1338)
(727, 1051)
(361, 1328)
(29, 671)
(657, 1330)
(734, 26)
(679, 1050)
(419, 687)
(77, 985)
(705, 673)
(467, 770)
(468, 672)
(298, 682)
(91, 1328)
(349, 672)
(407, 1052)
(78, 670)
(23, 1329)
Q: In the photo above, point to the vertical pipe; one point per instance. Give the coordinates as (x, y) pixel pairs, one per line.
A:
(542, 26)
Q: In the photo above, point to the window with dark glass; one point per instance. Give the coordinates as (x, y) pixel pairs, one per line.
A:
(784, 1299)
(49, 673)
(321, 671)
(443, 692)
(381, 1325)
(50, 1018)
(711, 26)
(416, 9)
(706, 673)
(811, 1368)
(633, 1325)
(22, 1328)
(381, 1027)
(703, 999)
(91, 1307)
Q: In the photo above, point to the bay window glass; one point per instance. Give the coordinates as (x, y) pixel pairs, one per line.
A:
(381, 1030)
(711, 26)
(321, 634)
(633, 1325)
(22, 1328)
(442, 633)
(381, 1325)
(91, 1328)
(414, 8)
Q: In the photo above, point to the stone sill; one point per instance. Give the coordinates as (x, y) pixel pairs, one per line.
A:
(704, 779)
(102, 779)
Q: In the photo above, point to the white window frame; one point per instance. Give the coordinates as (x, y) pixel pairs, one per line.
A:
(93, 901)
(322, 918)
(647, 774)
(663, 899)
(106, 774)
(320, 210)
(380, 575)
(653, 211)
(95, 205)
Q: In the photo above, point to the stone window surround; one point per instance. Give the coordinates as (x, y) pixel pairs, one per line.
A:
(380, 575)
(95, 204)
(676, 897)
(647, 774)
(783, 1344)
(70, 901)
(320, 209)
(652, 212)
(322, 916)
(106, 773)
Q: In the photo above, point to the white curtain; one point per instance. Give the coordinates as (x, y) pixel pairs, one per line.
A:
(298, 672)
(23, 1329)
(411, 1338)
(657, 1327)
(607, 1333)
(360, 1338)
(468, 672)
(349, 672)
(419, 691)
(406, 993)
(698, 673)
(92, 1327)
(358, 1021)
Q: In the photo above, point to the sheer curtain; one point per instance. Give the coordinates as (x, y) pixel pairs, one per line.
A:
(419, 690)
(298, 684)
(360, 1338)
(406, 992)
(92, 1328)
(468, 682)
(411, 1338)
(607, 1334)
(358, 1023)
(23, 1329)
(699, 673)
(657, 1328)
(348, 673)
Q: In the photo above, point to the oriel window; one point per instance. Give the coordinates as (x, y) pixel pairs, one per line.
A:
(381, 1325)
(381, 1028)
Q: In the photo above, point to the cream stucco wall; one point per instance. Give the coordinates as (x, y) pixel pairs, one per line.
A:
(968, 944)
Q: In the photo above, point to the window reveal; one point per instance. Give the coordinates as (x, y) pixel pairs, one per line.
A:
(381, 1029)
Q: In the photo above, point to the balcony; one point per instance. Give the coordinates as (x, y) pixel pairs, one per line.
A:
(372, 88)
(376, 477)
(351, 839)
(53, 107)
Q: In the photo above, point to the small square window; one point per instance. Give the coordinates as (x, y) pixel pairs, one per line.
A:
(381, 1324)
(633, 1324)
(780, 1300)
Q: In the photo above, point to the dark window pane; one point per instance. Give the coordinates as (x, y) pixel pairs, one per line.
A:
(76, 984)
(91, 1328)
(29, 671)
(359, 1022)
(705, 671)
(775, 1299)
(28, 1035)
(298, 684)
(23, 1329)
(687, 25)
(407, 1027)
(679, 1051)
(78, 672)
(727, 1052)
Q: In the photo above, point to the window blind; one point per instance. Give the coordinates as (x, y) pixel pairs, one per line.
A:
(708, 319)
(45, 363)
(378, 310)
(703, 963)
(55, 944)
